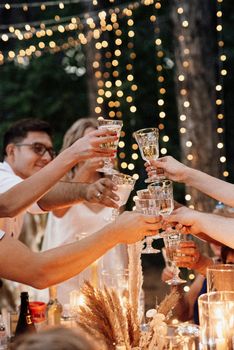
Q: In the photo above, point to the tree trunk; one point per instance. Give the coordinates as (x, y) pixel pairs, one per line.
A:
(195, 58)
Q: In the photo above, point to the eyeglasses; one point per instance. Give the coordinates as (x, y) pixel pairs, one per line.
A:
(39, 148)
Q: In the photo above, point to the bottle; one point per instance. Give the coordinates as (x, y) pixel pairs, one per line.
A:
(3, 334)
(25, 323)
(54, 308)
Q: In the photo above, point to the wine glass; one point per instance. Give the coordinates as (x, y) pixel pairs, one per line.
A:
(116, 126)
(125, 184)
(163, 191)
(147, 140)
(172, 242)
(148, 206)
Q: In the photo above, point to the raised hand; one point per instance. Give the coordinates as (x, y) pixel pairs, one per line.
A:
(131, 227)
(172, 168)
(188, 219)
(91, 145)
(102, 192)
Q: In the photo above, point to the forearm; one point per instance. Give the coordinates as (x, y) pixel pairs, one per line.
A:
(63, 194)
(31, 189)
(217, 227)
(213, 187)
(43, 269)
(71, 259)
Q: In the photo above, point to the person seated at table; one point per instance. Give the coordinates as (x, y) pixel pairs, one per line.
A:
(81, 220)
(27, 149)
(58, 338)
(43, 269)
(189, 256)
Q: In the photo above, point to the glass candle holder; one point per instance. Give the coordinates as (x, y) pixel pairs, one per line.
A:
(184, 336)
(116, 279)
(220, 277)
(216, 310)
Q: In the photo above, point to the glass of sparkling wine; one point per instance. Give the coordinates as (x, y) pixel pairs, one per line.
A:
(116, 126)
(172, 243)
(148, 142)
(148, 206)
(125, 184)
(163, 191)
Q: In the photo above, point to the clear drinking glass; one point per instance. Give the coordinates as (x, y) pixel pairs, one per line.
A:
(150, 207)
(163, 191)
(216, 310)
(220, 277)
(125, 184)
(117, 279)
(184, 336)
(172, 243)
(116, 126)
(147, 140)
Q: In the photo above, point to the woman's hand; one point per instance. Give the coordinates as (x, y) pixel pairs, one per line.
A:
(131, 227)
(170, 167)
(90, 145)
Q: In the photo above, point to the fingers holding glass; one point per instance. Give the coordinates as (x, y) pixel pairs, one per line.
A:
(115, 126)
(148, 142)
(150, 208)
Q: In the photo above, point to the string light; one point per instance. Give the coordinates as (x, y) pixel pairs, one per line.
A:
(131, 87)
(41, 5)
(160, 80)
(219, 90)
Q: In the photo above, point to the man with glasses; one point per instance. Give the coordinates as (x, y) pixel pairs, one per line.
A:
(27, 149)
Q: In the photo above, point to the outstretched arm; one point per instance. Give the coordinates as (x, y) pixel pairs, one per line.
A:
(217, 227)
(66, 194)
(43, 269)
(213, 187)
(31, 189)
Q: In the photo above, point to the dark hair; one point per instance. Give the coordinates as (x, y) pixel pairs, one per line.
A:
(225, 250)
(19, 130)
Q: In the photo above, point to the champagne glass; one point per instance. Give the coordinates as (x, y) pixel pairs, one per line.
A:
(125, 184)
(163, 191)
(172, 242)
(146, 194)
(147, 140)
(116, 126)
(148, 206)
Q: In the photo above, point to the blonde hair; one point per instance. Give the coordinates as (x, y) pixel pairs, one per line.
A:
(56, 338)
(77, 130)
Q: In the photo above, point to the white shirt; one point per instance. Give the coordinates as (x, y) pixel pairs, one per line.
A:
(80, 221)
(9, 179)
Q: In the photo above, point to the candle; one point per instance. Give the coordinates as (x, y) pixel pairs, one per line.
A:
(216, 311)
(94, 273)
(221, 344)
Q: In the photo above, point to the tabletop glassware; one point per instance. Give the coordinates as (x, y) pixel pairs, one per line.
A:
(125, 184)
(172, 242)
(216, 310)
(148, 142)
(184, 336)
(149, 207)
(117, 279)
(116, 126)
(220, 277)
(163, 191)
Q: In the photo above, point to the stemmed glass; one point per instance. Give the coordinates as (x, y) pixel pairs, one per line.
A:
(172, 243)
(116, 126)
(147, 140)
(125, 184)
(148, 206)
(163, 191)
